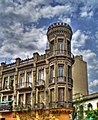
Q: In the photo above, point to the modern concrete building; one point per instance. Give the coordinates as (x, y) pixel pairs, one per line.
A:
(42, 83)
(79, 75)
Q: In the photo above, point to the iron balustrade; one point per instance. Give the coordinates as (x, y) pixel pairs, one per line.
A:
(7, 87)
(40, 82)
(24, 85)
(61, 79)
(61, 52)
(60, 104)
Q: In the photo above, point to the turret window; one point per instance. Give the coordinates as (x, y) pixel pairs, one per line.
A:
(60, 45)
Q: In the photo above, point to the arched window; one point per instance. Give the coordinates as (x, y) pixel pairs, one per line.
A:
(89, 106)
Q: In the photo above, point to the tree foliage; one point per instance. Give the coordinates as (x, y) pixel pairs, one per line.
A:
(92, 114)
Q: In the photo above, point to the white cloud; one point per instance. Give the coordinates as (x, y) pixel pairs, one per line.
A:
(79, 39)
(93, 83)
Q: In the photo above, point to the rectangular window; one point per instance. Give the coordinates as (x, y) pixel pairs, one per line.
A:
(68, 46)
(22, 80)
(5, 85)
(60, 45)
(29, 79)
(52, 74)
(11, 82)
(70, 95)
(21, 99)
(52, 45)
(52, 95)
(28, 98)
(61, 77)
(61, 94)
(4, 98)
(41, 74)
(10, 97)
(69, 71)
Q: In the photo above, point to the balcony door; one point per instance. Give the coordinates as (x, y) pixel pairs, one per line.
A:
(60, 46)
(29, 79)
(21, 80)
(61, 73)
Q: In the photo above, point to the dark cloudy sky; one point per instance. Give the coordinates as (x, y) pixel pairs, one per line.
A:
(24, 23)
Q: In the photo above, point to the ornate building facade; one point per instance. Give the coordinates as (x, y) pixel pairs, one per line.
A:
(43, 82)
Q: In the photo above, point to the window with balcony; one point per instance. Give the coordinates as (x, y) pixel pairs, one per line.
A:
(52, 45)
(68, 46)
(52, 95)
(52, 74)
(29, 79)
(60, 94)
(21, 99)
(5, 84)
(69, 94)
(28, 98)
(61, 77)
(11, 84)
(40, 77)
(60, 46)
(41, 74)
(21, 80)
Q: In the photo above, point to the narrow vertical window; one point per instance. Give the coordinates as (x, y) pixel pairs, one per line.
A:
(29, 79)
(61, 73)
(68, 46)
(51, 95)
(60, 46)
(61, 94)
(11, 82)
(5, 84)
(52, 46)
(52, 74)
(22, 80)
(70, 95)
(41, 74)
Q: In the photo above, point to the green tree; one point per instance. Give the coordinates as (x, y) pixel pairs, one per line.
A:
(92, 114)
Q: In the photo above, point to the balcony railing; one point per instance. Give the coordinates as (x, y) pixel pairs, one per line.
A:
(61, 79)
(52, 80)
(60, 104)
(61, 52)
(40, 83)
(7, 88)
(24, 85)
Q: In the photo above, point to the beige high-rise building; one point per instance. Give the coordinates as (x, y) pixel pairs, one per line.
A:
(79, 75)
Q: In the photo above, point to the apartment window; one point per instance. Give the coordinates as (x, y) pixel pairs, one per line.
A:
(52, 45)
(5, 85)
(60, 45)
(10, 97)
(52, 95)
(60, 94)
(69, 71)
(52, 74)
(22, 80)
(41, 74)
(68, 46)
(21, 99)
(70, 94)
(11, 81)
(29, 78)
(61, 77)
(4, 98)
(28, 98)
